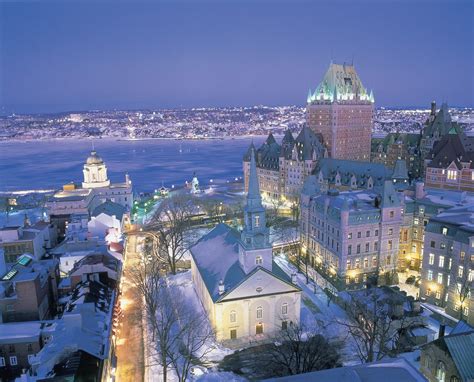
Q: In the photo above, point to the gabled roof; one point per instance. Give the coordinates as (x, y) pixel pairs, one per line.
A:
(308, 142)
(461, 348)
(451, 148)
(110, 208)
(216, 256)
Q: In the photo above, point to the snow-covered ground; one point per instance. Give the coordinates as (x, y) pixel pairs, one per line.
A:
(317, 314)
(214, 351)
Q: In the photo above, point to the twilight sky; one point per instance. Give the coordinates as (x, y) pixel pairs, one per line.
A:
(77, 55)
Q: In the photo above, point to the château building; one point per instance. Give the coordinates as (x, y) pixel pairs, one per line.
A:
(449, 165)
(342, 110)
(244, 292)
(349, 236)
(448, 262)
(282, 169)
(84, 198)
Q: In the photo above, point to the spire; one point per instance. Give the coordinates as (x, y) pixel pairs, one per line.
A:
(308, 100)
(253, 196)
(371, 97)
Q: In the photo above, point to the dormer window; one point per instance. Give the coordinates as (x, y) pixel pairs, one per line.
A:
(259, 260)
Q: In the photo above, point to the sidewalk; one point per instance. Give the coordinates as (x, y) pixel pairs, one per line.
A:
(129, 348)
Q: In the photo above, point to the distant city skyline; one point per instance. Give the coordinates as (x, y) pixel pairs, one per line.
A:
(81, 55)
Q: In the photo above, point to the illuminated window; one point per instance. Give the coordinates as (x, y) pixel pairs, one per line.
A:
(440, 278)
(441, 372)
(430, 275)
(441, 261)
(431, 259)
(452, 174)
(233, 316)
(460, 271)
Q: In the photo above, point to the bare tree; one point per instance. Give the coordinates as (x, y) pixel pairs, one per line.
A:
(464, 287)
(194, 340)
(169, 225)
(375, 323)
(146, 277)
(296, 350)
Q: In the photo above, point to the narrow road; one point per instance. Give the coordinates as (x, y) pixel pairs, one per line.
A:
(130, 364)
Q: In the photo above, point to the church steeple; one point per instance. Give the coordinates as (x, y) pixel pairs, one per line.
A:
(255, 232)
(255, 249)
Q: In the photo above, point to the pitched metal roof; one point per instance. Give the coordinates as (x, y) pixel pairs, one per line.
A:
(461, 348)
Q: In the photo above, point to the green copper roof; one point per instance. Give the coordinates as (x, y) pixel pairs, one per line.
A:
(340, 83)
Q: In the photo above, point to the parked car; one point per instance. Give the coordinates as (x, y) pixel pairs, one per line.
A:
(410, 279)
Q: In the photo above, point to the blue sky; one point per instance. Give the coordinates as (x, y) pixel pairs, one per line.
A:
(77, 55)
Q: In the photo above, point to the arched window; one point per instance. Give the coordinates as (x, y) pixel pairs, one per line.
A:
(441, 371)
(428, 362)
(284, 308)
(258, 260)
(233, 316)
(454, 379)
(259, 312)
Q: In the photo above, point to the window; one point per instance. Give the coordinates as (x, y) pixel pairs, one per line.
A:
(367, 234)
(392, 214)
(374, 261)
(349, 235)
(390, 231)
(376, 246)
(431, 259)
(367, 247)
(348, 264)
(349, 249)
(2, 361)
(430, 275)
(441, 371)
(438, 294)
(466, 311)
(357, 263)
(444, 231)
(11, 348)
(452, 174)
(460, 271)
(376, 232)
(389, 259)
(259, 328)
(359, 234)
(358, 248)
(454, 378)
(440, 278)
(258, 260)
(284, 308)
(366, 262)
(462, 255)
(233, 316)
(284, 325)
(390, 245)
(13, 360)
(441, 261)
(233, 334)
(432, 244)
(257, 221)
(30, 358)
(259, 312)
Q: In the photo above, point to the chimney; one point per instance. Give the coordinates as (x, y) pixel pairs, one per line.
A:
(221, 287)
(419, 190)
(442, 329)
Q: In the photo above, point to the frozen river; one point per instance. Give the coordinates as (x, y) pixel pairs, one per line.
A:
(49, 164)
